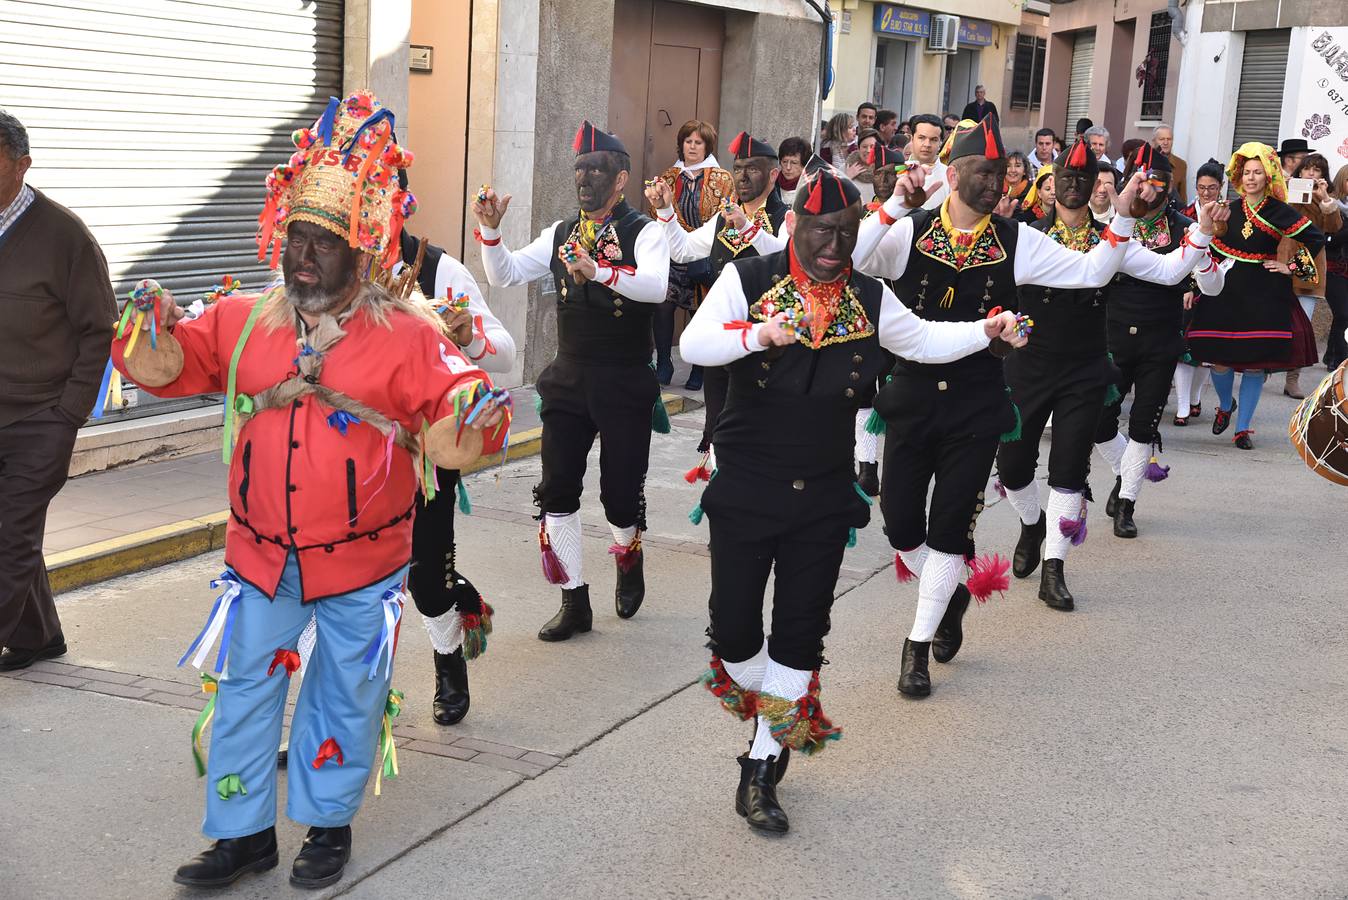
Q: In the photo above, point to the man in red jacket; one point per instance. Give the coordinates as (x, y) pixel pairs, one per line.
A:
(341, 385)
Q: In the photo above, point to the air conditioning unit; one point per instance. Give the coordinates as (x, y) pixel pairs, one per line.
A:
(945, 34)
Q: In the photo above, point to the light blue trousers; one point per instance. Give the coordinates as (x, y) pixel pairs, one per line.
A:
(337, 700)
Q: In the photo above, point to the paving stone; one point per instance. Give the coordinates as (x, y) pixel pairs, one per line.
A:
(489, 747)
(53, 678)
(179, 700)
(542, 759)
(441, 749)
(168, 687)
(103, 675)
(496, 761)
(118, 690)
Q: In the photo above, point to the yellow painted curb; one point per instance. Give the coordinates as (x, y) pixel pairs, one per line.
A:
(141, 550)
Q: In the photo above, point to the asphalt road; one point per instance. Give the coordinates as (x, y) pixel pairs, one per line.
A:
(1182, 734)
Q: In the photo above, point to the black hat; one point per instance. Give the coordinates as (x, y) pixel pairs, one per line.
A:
(882, 156)
(828, 192)
(1293, 145)
(983, 139)
(1149, 158)
(746, 147)
(1077, 158)
(591, 140)
(815, 164)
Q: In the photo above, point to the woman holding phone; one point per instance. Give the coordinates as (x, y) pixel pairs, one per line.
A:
(1323, 211)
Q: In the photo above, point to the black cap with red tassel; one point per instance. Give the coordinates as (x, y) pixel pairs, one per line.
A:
(744, 147)
(983, 139)
(591, 140)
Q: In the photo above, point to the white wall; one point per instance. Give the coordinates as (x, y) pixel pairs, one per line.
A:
(1209, 82)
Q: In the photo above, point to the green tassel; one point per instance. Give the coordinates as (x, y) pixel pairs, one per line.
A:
(1112, 395)
(695, 515)
(862, 494)
(851, 538)
(538, 404)
(465, 503)
(660, 417)
(875, 424)
(1014, 433)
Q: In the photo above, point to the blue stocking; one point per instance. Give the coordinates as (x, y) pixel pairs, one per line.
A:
(1251, 386)
(1224, 383)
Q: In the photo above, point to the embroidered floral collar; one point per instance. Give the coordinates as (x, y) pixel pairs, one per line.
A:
(1153, 232)
(1081, 239)
(835, 310)
(961, 249)
(735, 240)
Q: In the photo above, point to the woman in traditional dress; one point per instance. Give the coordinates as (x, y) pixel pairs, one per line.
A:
(1039, 199)
(1189, 376)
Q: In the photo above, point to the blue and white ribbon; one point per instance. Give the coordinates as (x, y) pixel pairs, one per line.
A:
(382, 648)
(220, 623)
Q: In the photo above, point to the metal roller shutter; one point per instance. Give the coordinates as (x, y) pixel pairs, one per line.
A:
(157, 120)
(1079, 86)
(1262, 73)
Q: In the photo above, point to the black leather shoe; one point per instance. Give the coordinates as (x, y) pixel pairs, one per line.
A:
(1053, 586)
(1123, 520)
(451, 688)
(913, 678)
(322, 858)
(950, 633)
(230, 858)
(1243, 441)
(630, 589)
(1028, 550)
(868, 478)
(694, 382)
(12, 658)
(756, 798)
(664, 371)
(573, 618)
(1112, 504)
(1221, 419)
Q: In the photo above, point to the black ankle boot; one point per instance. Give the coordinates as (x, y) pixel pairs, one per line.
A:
(868, 478)
(1112, 504)
(756, 798)
(1123, 520)
(451, 688)
(573, 618)
(950, 633)
(913, 678)
(228, 859)
(1028, 549)
(1053, 586)
(322, 858)
(631, 588)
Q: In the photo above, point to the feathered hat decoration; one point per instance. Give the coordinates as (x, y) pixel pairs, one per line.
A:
(343, 176)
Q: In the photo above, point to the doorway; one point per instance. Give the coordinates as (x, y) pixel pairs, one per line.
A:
(961, 77)
(895, 73)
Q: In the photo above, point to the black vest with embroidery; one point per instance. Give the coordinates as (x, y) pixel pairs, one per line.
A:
(724, 249)
(595, 324)
(1068, 322)
(935, 290)
(791, 411)
(1133, 301)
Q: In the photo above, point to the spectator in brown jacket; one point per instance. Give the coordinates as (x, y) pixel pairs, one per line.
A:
(58, 308)
(1323, 211)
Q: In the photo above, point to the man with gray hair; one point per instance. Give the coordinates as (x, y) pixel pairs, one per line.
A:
(57, 302)
(1097, 136)
(1163, 136)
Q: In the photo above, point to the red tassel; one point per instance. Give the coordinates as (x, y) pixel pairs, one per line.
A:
(1077, 158)
(815, 202)
(988, 574)
(901, 570)
(990, 142)
(627, 555)
(326, 751)
(266, 226)
(740, 143)
(553, 570)
(740, 703)
(288, 659)
(579, 140)
(1142, 156)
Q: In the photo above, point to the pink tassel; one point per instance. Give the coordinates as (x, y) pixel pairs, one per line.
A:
(1156, 471)
(627, 555)
(988, 574)
(999, 488)
(901, 570)
(1074, 529)
(553, 570)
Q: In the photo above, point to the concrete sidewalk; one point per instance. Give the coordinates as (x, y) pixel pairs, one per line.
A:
(118, 521)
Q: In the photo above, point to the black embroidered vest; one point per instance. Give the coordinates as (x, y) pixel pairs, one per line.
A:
(1068, 322)
(723, 249)
(790, 412)
(1136, 302)
(935, 290)
(595, 324)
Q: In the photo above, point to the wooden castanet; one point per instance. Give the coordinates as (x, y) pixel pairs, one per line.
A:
(450, 448)
(154, 367)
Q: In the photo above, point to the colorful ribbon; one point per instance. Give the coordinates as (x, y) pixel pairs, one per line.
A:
(388, 748)
(231, 383)
(342, 420)
(327, 750)
(208, 686)
(286, 659)
(104, 386)
(229, 786)
(220, 623)
(383, 647)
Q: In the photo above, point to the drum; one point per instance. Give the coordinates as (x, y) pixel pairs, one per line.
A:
(1319, 428)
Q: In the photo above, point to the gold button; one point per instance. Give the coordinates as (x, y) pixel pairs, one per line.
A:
(849, 393)
(762, 383)
(1132, 329)
(855, 376)
(798, 484)
(941, 386)
(617, 314)
(857, 360)
(765, 364)
(617, 301)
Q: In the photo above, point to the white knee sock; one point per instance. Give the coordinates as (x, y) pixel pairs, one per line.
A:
(867, 443)
(1025, 501)
(623, 536)
(749, 674)
(1202, 374)
(915, 559)
(1184, 381)
(789, 684)
(1112, 451)
(564, 534)
(1061, 506)
(941, 574)
(1133, 469)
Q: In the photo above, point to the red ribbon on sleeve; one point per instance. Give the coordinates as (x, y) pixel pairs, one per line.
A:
(488, 348)
(743, 328)
(477, 235)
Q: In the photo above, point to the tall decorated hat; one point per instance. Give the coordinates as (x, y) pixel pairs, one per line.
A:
(343, 177)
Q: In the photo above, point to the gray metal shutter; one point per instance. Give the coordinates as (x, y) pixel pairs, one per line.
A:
(157, 121)
(1079, 87)
(1262, 73)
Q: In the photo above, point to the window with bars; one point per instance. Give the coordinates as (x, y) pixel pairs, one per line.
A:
(1151, 74)
(1027, 75)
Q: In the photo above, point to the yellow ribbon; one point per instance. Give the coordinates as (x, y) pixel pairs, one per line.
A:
(208, 686)
(387, 746)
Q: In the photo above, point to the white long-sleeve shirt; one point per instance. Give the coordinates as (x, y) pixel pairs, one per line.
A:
(1211, 276)
(707, 342)
(647, 282)
(882, 250)
(690, 246)
(936, 186)
(1166, 268)
(492, 349)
